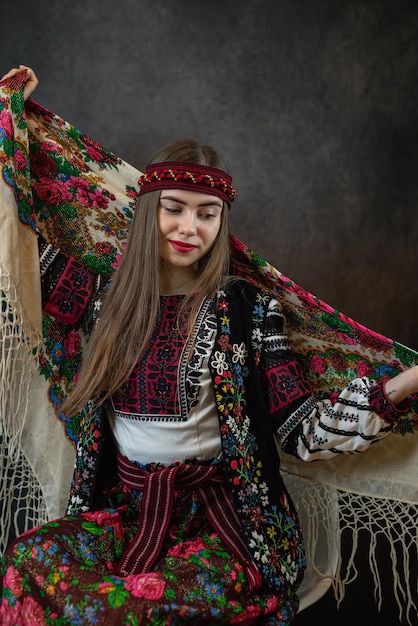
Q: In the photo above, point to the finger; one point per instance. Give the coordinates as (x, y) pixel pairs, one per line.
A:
(29, 70)
(11, 72)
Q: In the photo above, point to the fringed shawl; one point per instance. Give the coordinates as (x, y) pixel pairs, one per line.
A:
(80, 196)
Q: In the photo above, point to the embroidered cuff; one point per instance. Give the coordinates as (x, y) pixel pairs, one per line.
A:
(72, 292)
(381, 404)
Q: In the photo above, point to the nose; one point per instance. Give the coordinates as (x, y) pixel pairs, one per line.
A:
(187, 224)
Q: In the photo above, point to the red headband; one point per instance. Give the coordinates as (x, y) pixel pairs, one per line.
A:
(179, 175)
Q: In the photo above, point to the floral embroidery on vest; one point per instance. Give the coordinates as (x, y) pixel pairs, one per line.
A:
(270, 524)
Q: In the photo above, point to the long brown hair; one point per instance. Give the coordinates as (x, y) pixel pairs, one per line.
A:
(131, 305)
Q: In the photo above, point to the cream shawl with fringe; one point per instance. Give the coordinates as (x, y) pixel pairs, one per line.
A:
(80, 196)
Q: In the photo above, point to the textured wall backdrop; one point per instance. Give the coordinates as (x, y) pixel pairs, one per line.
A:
(314, 105)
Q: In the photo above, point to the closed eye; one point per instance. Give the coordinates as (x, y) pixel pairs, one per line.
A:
(171, 209)
(208, 216)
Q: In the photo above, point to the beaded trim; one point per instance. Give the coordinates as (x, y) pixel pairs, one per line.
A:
(177, 175)
(47, 257)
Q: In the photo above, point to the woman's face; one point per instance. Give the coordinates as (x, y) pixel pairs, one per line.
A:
(188, 223)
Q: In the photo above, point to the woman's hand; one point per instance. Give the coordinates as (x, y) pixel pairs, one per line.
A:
(31, 79)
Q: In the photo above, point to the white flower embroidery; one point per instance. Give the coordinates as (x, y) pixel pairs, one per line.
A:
(239, 431)
(240, 353)
(291, 571)
(218, 362)
(257, 334)
(76, 500)
(261, 548)
(256, 539)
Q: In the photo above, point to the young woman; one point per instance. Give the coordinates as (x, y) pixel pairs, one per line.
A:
(178, 512)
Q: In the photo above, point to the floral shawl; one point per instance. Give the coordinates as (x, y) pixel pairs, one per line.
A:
(80, 196)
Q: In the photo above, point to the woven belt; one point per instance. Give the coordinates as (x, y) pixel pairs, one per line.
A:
(158, 490)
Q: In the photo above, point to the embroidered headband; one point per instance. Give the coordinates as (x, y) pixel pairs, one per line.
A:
(179, 175)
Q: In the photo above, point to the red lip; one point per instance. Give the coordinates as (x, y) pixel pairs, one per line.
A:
(182, 246)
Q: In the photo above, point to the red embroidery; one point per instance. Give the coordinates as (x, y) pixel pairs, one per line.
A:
(152, 387)
(70, 297)
(286, 384)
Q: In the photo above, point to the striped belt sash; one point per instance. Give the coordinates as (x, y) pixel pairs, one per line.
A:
(158, 490)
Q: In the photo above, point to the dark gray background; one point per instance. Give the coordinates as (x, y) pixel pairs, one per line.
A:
(313, 104)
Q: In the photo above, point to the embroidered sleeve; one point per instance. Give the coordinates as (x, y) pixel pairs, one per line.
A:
(311, 428)
(67, 284)
(289, 394)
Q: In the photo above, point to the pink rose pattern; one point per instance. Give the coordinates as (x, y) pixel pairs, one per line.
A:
(53, 192)
(6, 122)
(60, 181)
(149, 586)
(64, 573)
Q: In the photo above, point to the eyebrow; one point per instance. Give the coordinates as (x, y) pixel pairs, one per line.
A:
(202, 204)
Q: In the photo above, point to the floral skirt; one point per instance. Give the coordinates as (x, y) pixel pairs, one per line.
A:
(64, 573)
